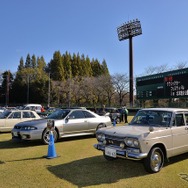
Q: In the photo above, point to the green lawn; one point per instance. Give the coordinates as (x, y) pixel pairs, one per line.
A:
(22, 164)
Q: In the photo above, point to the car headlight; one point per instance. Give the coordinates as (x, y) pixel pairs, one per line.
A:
(132, 142)
(100, 137)
(28, 128)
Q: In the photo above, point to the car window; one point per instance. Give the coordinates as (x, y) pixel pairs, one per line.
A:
(179, 120)
(186, 118)
(58, 114)
(28, 115)
(15, 115)
(5, 114)
(76, 115)
(88, 114)
(154, 118)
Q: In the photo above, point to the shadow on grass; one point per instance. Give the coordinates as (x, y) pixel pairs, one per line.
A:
(176, 159)
(28, 159)
(96, 171)
(8, 144)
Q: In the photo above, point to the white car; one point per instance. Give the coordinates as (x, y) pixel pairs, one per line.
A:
(34, 107)
(153, 135)
(11, 117)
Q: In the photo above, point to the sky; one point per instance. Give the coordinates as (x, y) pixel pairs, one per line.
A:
(89, 27)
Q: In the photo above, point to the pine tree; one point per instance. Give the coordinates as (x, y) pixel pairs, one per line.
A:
(28, 61)
(21, 65)
(66, 59)
(33, 62)
(56, 67)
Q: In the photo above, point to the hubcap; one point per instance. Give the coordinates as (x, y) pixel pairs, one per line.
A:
(156, 161)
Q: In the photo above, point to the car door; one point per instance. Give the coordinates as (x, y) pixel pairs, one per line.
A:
(180, 133)
(75, 123)
(11, 120)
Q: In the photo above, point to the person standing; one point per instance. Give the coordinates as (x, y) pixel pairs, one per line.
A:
(125, 111)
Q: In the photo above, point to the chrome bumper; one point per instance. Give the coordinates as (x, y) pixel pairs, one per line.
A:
(122, 153)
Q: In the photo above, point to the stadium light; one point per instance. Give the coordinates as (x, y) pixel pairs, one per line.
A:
(128, 31)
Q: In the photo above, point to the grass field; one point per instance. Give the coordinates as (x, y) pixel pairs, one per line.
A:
(22, 164)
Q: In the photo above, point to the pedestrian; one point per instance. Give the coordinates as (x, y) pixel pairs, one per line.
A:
(42, 109)
(126, 115)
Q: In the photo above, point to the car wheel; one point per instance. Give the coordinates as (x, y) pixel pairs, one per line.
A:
(108, 158)
(118, 120)
(154, 161)
(100, 126)
(46, 136)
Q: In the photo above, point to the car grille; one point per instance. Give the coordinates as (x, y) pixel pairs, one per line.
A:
(114, 140)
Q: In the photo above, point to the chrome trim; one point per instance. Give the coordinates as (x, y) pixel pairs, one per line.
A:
(122, 153)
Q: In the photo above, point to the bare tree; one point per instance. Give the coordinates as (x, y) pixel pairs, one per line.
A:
(150, 70)
(181, 65)
(106, 85)
(156, 70)
(161, 68)
(120, 83)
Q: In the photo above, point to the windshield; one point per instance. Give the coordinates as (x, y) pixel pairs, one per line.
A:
(5, 114)
(59, 114)
(152, 117)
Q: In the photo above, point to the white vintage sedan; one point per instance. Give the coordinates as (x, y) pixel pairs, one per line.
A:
(9, 118)
(154, 134)
(68, 123)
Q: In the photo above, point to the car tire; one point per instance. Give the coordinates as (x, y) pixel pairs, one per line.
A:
(118, 120)
(154, 161)
(108, 158)
(101, 125)
(46, 136)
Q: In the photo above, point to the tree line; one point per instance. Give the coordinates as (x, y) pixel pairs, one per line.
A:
(67, 80)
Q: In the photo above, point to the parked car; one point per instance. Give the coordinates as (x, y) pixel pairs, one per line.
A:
(68, 122)
(2, 109)
(154, 134)
(11, 117)
(113, 113)
(34, 107)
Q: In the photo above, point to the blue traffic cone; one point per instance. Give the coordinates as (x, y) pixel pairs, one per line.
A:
(51, 147)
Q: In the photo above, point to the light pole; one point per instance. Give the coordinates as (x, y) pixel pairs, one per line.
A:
(128, 31)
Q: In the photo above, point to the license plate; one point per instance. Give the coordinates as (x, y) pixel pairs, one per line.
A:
(110, 152)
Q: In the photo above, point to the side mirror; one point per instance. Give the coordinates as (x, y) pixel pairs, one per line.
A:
(67, 119)
(50, 124)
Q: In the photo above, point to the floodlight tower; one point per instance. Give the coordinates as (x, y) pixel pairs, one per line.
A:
(128, 31)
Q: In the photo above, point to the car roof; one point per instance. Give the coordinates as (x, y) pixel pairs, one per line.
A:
(167, 109)
(17, 110)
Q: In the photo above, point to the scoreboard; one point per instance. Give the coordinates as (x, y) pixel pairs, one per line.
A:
(171, 84)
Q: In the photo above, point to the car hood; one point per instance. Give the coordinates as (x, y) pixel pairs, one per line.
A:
(129, 130)
(33, 122)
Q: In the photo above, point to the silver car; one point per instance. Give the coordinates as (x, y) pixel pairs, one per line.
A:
(68, 122)
(9, 118)
(154, 134)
